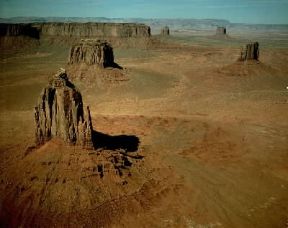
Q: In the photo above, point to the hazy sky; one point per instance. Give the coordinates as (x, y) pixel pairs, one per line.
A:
(247, 11)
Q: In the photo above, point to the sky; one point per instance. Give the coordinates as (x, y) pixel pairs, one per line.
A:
(238, 11)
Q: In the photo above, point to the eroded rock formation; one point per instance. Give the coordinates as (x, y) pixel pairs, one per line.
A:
(250, 52)
(95, 29)
(221, 31)
(92, 52)
(19, 30)
(60, 113)
(165, 31)
(76, 30)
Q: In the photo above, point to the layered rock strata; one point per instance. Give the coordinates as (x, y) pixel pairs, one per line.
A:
(92, 52)
(59, 113)
(19, 30)
(250, 52)
(76, 30)
(95, 29)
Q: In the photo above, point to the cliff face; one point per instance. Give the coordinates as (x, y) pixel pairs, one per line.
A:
(123, 30)
(94, 30)
(60, 113)
(21, 35)
(19, 30)
(92, 52)
(250, 52)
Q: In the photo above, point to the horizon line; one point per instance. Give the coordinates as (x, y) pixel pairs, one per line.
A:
(147, 18)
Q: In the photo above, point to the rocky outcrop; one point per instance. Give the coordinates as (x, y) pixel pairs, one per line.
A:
(250, 52)
(165, 31)
(60, 113)
(221, 31)
(92, 52)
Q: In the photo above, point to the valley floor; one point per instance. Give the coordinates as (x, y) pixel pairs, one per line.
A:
(213, 139)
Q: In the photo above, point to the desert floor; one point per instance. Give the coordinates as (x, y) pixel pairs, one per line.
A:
(213, 138)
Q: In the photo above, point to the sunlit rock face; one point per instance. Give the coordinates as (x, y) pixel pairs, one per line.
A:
(59, 113)
(250, 52)
(92, 52)
(92, 29)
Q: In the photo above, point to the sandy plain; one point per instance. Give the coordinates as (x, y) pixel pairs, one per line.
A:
(213, 135)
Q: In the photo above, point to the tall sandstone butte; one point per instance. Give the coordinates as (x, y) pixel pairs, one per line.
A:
(250, 52)
(60, 113)
(92, 52)
(165, 31)
(221, 31)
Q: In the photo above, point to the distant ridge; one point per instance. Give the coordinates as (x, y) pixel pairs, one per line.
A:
(105, 19)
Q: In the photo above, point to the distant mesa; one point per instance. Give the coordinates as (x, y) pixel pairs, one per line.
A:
(59, 113)
(75, 30)
(250, 52)
(19, 30)
(24, 34)
(92, 29)
(18, 36)
(165, 31)
(221, 31)
(92, 52)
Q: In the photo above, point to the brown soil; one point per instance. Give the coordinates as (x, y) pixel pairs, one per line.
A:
(213, 137)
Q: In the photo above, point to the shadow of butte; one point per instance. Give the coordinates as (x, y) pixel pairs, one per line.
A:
(129, 143)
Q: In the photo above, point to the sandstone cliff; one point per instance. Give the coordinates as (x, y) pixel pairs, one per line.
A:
(95, 29)
(165, 31)
(119, 34)
(60, 113)
(250, 52)
(77, 30)
(92, 52)
(18, 36)
(19, 30)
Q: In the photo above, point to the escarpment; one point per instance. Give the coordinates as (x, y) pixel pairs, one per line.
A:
(18, 36)
(19, 30)
(92, 52)
(76, 30)
(127, 34)
(123, 30)
(59, 113)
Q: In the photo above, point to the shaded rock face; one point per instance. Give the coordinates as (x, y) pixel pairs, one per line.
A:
(76, 30)
(221, 31)
(250, 52)
(60, 113)
(165, 31)
(92, 52)
(19, 30)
